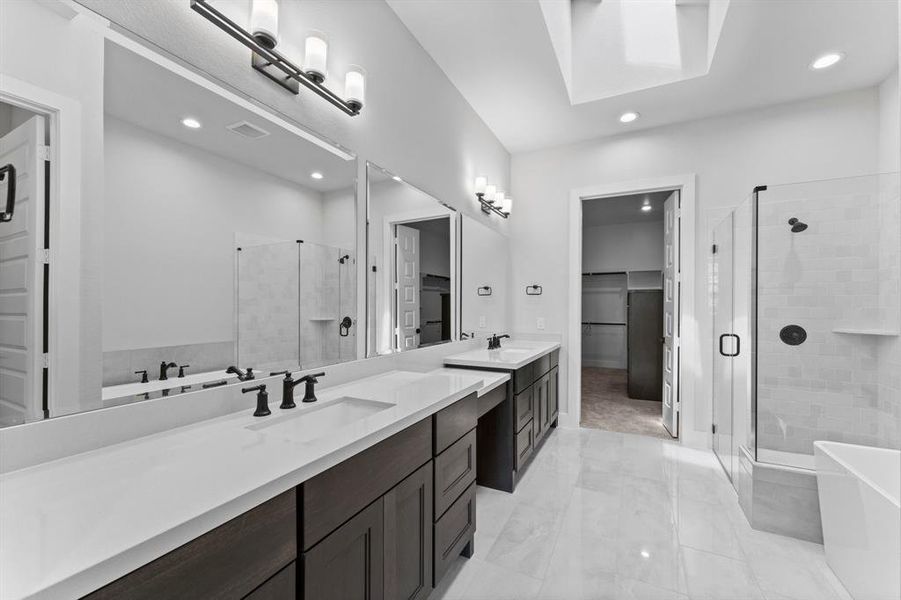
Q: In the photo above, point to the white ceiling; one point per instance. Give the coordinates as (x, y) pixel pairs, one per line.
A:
(623, 209)
(152, 97)
(500, 55)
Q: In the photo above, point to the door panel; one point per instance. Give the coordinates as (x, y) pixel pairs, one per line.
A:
(349, 563)
(408, 537)
(724, 342)
(21, 276)
(671, 294)
(408, 284)
(645, 356)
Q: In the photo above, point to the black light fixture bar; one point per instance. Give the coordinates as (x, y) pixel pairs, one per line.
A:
(489, 207)
(270, 62)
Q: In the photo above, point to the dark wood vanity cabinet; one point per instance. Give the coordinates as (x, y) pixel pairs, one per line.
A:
(383, 524)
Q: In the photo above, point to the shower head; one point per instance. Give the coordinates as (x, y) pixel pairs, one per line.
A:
(797, 226)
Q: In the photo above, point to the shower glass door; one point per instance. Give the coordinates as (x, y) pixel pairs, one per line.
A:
(726, 344)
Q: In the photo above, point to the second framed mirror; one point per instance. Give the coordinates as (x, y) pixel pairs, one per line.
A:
(411, 266)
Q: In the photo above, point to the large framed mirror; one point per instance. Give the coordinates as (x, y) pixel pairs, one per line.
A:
(224, 236)
(484, 273)
(411, 266)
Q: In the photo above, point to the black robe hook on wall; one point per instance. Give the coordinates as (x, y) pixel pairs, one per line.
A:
(534, 290)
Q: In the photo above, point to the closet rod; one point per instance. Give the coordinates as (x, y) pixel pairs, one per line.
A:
(605, 273)
(601, 323)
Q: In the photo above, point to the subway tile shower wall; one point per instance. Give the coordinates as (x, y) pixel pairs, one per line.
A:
(841, 273)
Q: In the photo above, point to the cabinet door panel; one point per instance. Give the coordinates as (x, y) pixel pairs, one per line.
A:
(349, 563)
(554, 394)
(522, 403)
(408, 537)
(455, 469)
(454, 531)
(524, 445)
(281, 586)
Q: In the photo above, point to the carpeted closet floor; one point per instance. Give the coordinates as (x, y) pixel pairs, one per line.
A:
(606, 405)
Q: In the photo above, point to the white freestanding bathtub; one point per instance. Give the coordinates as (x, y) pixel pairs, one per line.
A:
(859, 489)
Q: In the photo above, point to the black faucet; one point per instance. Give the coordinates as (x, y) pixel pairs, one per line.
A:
(262, 399)
(242, 375)
(181, 370)
(143, 374)
(288, 385)
(164, 366)
(494, 342)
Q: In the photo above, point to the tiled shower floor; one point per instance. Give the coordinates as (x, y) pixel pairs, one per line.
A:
(609, 515)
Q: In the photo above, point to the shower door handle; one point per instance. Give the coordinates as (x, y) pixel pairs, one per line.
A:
(737, 345)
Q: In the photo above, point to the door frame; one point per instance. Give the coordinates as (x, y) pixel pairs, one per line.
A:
(63, 127)
(690, 351)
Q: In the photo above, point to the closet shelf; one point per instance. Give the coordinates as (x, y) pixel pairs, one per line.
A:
(856, 331)
(322, 319)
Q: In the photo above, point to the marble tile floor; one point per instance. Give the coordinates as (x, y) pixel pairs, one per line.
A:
(606, 515)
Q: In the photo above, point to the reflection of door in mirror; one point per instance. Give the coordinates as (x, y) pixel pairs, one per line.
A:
(411, 294)
(22, 279)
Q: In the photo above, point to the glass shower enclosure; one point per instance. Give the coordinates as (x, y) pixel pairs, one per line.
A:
(296, 305)
(805, 290)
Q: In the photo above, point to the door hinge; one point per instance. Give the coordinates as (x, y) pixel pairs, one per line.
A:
(45, 256)
(44, 152)
(713, 249)
(713, 428)
(45, 360)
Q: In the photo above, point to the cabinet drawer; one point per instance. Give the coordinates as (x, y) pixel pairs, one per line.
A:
(227, 562)
(454, 530)
(453, 422)
(555, 358)
(326, 499)
(540, 366)
(523, 378)
(280, 586)
(523, 408)
(525, 441)
(455, 470)
(492, 399)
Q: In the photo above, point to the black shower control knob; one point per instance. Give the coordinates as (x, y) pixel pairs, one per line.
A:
(793, 335)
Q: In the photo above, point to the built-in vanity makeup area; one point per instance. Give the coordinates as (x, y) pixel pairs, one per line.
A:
(294, 395)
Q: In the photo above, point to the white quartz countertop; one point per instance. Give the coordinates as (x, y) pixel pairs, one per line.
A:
(490, 379)
(513, 354)
(72, 525)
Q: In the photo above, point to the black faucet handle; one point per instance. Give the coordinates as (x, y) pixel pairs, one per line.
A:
(274, 373)
(143, 374)
(181, 370)
(249, 375)
(214, 384)
(262, 399)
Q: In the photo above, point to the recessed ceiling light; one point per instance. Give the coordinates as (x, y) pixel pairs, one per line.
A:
(827, 60)
(645, 554)
(646, 208)
(396, 178)
(316, 175)
(628, 117)
(191, 123)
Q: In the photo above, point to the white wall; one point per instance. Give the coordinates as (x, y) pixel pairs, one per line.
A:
(825, 137)
(623, 247)
(485, 258)
(169, 240)
(889, 125)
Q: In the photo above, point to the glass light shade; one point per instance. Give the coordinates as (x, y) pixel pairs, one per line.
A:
(315, 56)
(498, 198)
(481, 184)
(355, 86)
(264, 22)
(507, 205)
(490, 191)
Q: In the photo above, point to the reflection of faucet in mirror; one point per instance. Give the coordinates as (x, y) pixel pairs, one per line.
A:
(164, 367)
(494, 342)
(242, 376)
(343, 258)
(143, 374)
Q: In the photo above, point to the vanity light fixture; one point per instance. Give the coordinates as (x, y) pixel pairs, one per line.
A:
(191, 123)
(263, 38)
(628, 117)
(491, 199)
(316, 175)
(827, 60)
(646, 207)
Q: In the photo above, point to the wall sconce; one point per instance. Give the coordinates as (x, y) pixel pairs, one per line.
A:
(492, 201)
(262, 40)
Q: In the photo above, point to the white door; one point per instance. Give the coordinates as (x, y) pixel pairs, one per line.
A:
(406, 272)
(22, 274)
(671, 321)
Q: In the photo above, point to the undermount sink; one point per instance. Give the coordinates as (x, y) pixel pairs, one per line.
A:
(307, 423)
